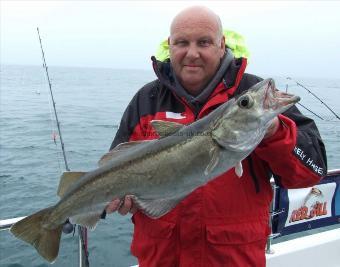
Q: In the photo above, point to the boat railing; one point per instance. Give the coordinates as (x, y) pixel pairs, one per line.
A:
(272, 213)
(7, 223)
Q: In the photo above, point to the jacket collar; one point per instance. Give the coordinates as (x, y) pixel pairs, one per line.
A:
(227, 73)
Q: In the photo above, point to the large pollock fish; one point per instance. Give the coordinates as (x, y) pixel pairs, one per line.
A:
(159, 173)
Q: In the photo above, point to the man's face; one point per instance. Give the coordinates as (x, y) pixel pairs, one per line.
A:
(195, 52)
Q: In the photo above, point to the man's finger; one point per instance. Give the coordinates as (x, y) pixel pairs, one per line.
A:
(274, 126)
(133, 210)
(126, 207)
(113, 205)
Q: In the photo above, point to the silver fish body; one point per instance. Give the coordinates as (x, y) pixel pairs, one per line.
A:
(160, 173)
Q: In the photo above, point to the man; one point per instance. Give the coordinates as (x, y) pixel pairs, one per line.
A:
(224, 223)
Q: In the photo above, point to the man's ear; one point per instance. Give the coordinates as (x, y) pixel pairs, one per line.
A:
(222, 47)
(223, 42)
(169, 40)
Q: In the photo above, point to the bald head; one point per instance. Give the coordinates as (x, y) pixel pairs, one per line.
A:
(197, 46)
(197, 15)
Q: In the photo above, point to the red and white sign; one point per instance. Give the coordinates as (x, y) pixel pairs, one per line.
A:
(308, 204)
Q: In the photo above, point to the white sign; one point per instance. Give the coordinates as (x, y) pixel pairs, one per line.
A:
(309, 204)
(173, 115)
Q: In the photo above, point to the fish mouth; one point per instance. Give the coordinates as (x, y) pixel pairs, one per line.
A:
(277, 100)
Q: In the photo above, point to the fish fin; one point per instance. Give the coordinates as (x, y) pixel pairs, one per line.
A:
(239, 169)
(88, 220)
(155, 208)
(121, 148)
(67, 179)
(31, 230)
(215, 158)
(166, 128)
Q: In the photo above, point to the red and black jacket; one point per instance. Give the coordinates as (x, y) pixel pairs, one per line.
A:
(225, 222)
(159, 98)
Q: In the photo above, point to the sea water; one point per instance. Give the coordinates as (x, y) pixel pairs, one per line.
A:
(90, 103)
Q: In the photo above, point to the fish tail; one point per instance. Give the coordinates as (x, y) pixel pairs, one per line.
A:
(31, 230)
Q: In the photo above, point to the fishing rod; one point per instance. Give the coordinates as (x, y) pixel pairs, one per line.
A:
(68, 227)
(305, 106)
(309, 91)
(53, 102)
(310, 111)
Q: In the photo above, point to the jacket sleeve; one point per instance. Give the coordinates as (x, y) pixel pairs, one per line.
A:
(295, 154)
(128, 123)
(134, 124)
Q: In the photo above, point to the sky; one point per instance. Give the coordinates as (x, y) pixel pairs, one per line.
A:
(285, 38)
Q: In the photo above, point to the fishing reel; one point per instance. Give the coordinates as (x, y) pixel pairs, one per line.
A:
(68, 227)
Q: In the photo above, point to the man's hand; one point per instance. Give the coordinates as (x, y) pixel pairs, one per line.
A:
(123, 207)
(274, 126)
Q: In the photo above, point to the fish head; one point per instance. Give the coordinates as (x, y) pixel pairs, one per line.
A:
(243, 123)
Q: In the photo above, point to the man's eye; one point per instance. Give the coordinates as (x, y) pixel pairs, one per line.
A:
(204, 43)
(181, 43)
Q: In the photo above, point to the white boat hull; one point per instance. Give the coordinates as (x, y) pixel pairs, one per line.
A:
(317, 250)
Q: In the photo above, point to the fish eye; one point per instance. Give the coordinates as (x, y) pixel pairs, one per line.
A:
(245, 102)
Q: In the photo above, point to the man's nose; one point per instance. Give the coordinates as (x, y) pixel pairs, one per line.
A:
(193, 51)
